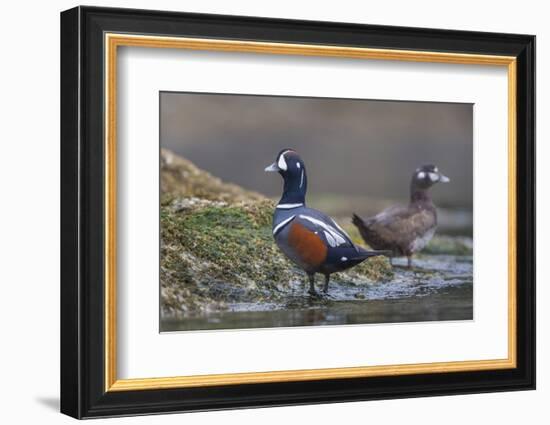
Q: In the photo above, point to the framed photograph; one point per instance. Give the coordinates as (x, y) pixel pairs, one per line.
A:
(261, 212)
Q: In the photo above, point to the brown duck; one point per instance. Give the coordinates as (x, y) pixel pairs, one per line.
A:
(405, 230)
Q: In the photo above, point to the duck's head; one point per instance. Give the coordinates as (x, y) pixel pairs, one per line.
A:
(426, 176)
(288, 164)
(291, 167)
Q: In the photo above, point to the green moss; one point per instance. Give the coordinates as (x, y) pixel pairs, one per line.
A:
(375, 269)
(231, 238)
(261, 212)
(211, 253)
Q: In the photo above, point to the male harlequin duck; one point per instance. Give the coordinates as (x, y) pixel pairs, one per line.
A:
(405, 230)
(311, 239)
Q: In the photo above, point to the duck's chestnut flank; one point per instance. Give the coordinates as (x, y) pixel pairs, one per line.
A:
(308, 245)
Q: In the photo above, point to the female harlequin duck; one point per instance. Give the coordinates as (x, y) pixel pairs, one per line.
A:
(306, 236)
(405, 230)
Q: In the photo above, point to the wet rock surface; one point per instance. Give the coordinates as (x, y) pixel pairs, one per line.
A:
(437, 288)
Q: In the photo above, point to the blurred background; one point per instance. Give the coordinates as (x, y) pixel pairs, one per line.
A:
(359, 154)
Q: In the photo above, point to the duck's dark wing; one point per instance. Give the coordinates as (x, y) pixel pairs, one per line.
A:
(396, 226)
(325, 226)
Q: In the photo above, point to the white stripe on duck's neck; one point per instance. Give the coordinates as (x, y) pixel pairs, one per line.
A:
(288, 206)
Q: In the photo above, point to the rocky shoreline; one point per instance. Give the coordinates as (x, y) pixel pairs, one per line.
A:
(218, 254)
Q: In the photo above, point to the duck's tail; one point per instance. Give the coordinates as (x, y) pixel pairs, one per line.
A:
(358, 221)
(360, 254)
(363, 226)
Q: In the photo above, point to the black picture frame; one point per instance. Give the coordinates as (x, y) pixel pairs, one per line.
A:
(83, 392)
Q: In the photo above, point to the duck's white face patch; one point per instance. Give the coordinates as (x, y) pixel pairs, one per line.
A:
(344, 259)
(298, 165)
(433, 177)
(421, 175)
(282, 163)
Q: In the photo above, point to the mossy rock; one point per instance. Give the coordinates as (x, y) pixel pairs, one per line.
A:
(214, 253)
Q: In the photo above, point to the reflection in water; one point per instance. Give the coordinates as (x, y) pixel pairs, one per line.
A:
(440, 288)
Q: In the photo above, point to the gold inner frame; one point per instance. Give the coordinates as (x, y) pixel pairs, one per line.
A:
(113, 41)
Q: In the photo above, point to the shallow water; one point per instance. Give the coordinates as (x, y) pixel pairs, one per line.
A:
(437, 288)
